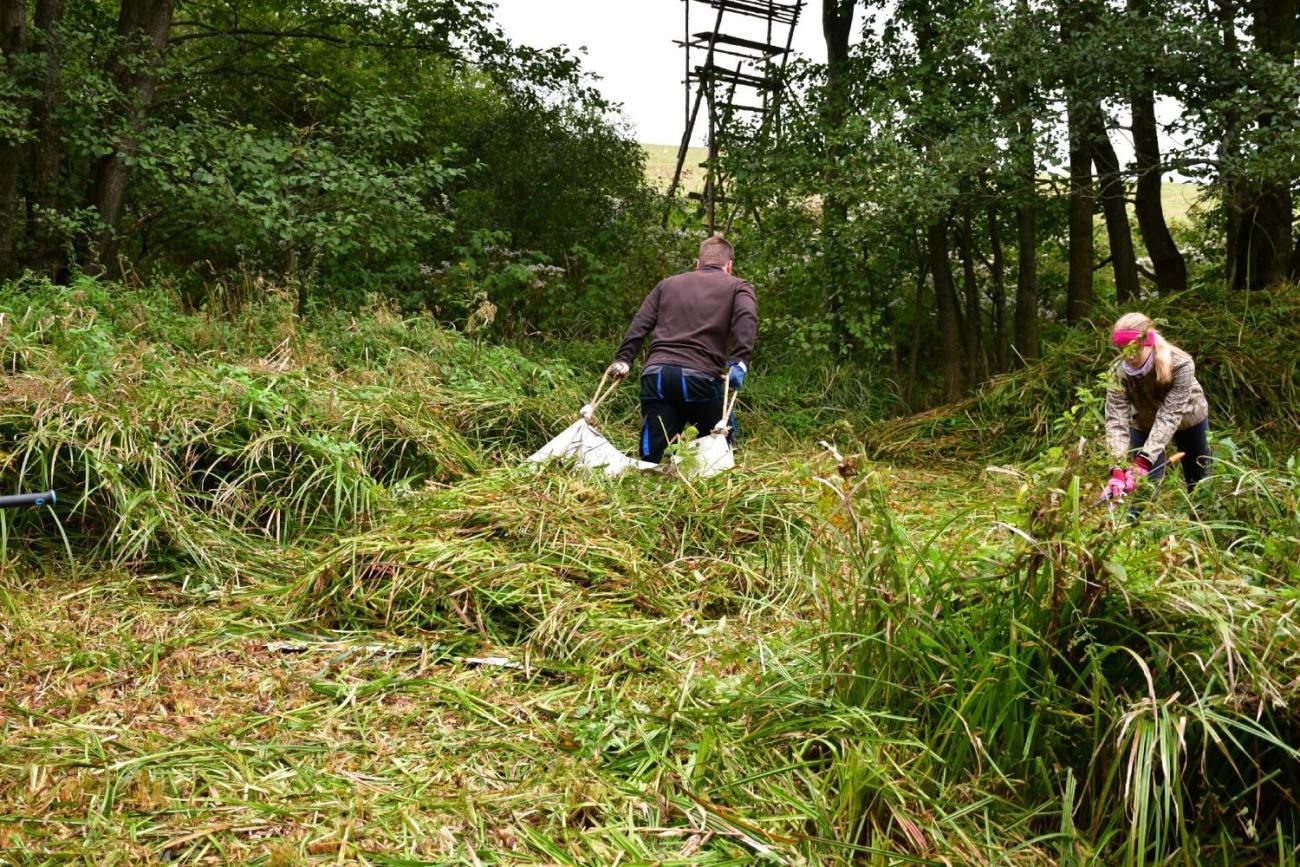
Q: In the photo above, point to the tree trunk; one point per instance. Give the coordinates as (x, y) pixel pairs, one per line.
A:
(1079, 295)
(142, 27)
(971, 323)
(1236, 266)
(1268, 234)
(1120, 236)
(1233, 188)
(837, 28)
(1269, 220)
(1025, 168)
(918, 314)
(945, 298)
(1166, 261)
(1026, 282)
(999, 293)
(13, 41)
(45, 43)
(1074, 20)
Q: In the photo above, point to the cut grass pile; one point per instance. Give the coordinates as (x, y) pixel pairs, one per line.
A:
(311, 609)
(177, 441)
(558, 562)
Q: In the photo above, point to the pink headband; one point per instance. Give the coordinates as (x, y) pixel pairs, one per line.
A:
(1124, 338)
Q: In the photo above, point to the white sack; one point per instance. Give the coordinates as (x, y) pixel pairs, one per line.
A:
(582, 441)
(712, 455)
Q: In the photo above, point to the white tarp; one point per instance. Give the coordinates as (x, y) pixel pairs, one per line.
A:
(708, 455)
(712, 454)
(582, 441)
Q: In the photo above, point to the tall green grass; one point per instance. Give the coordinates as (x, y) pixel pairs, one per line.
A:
(801, 661)
(273, 432)
(1057, 688)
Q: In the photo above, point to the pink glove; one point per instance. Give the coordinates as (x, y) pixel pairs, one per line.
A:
(1118, 484)
(1125, 481)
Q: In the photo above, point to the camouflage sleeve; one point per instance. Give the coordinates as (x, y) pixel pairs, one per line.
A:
(1117, 417)
(1170, 414)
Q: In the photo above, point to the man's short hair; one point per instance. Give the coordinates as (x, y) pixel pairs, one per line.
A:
(716, 250)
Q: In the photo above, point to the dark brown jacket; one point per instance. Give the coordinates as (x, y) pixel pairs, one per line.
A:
(700, 319)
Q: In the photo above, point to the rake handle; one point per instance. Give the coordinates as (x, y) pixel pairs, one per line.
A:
(729, 399)
(13, 501)
(602, 392)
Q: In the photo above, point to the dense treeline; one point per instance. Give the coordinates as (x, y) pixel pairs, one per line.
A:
(403, 148)
(955, 183)
(976, 170)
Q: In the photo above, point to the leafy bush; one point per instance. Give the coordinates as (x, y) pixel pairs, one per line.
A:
(326, 205)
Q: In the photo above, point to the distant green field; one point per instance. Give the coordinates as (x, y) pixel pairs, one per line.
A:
(661, 159)
(1179, 198)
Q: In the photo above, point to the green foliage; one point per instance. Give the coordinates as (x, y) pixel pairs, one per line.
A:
(325, 204)
(486, 275)
(263, 438)
(13, 129)
(346, 152)
(1125, 693)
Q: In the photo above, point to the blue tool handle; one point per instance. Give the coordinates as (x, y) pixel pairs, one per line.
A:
(47, 497)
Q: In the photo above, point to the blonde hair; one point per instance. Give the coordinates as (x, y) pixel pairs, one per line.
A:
(1164, 350)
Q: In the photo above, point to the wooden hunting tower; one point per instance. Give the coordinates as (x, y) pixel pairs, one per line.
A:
(736, 70)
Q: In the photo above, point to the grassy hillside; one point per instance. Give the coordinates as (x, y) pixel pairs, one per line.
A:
(1177, 198)
(302, 602)
(1242, 346)
(661, 160)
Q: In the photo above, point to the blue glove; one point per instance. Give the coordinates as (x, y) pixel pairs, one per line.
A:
(736, 374)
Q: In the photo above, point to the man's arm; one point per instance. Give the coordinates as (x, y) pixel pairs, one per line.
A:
(642, 324)
(744, 323)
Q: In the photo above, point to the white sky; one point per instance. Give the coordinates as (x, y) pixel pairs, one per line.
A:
(629, 44)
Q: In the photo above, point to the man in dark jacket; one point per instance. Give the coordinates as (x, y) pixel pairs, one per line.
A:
(704, 323)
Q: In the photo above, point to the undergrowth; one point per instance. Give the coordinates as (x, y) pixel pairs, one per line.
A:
(301, 602)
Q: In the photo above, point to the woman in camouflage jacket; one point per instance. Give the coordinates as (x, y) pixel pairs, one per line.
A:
(1154, 399)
